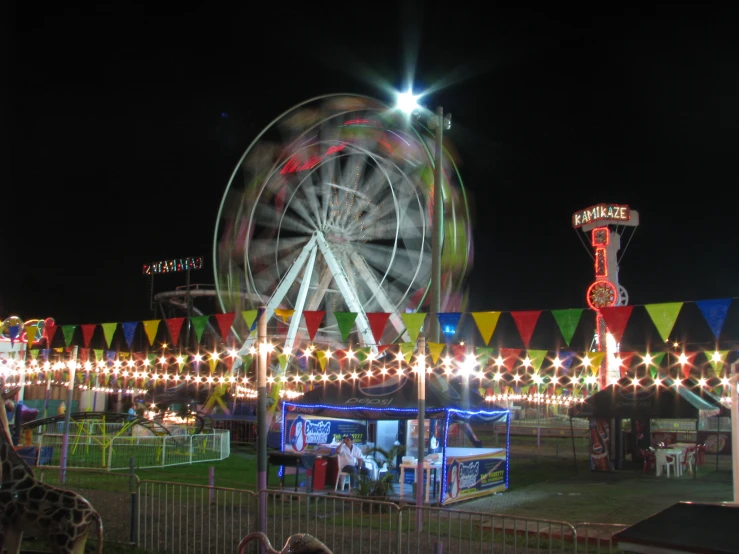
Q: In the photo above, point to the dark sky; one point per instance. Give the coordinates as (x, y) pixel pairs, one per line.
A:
(124, 123)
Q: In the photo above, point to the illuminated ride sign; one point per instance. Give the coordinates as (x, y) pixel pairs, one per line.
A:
(605, 213)
(173, 266)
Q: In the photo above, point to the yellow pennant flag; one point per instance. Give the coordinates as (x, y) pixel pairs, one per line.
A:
(435, 349)
(108, 331)
(536, 357)
(322, 359)
(717, 362)
(151, 327)
(213, 363)
(413, 324)
(596, 359)
(284, 314)
(406, 348)
(486, 323)
(250, 317)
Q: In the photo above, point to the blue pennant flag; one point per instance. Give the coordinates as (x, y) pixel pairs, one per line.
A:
(448, 322)
(714, 312)
(566, 359)
(129, 328)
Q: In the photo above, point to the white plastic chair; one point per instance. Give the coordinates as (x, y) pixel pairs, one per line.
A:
(666, 461)
(343, 478)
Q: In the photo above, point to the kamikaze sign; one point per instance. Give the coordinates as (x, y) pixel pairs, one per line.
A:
(602, 212)
(172, 266)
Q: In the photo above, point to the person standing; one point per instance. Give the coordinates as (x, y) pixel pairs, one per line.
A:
(351, 460)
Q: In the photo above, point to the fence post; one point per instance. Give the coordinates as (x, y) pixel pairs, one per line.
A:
(191, 447)
(164, 450)
(212, 483)
(110, 454)
(133, 537)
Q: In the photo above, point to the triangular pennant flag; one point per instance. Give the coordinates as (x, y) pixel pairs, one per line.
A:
(526, 322)
(664, 317)
(565, 360)
(625, 362)
(30, 331)
(656, 360)
(213, 363)
(686, 362)
(483, 354)
(151, 326)
(406, 349)
(345, 321)
(98, 354)
(88, 329)
(714, 312)
(250, 318)
(653, 371)
(341, 357)
(313, 320)
(486, 323)
(595, 360)
(283, 314)
(510, 357)
(459, 351)
(49, 332)
(449, 323)
(717, 362)
(323, 358)
(246, 362)
(616, 318)
(362, 354)
(283, 359)
(536, 357)
(382, 347)
(377, 322)
(108, 332)
(435, 350)
(413, 323)
(174, 325)
(68, 331)
(224, 324)
(198, 323)
(567, 321)
(129, 328)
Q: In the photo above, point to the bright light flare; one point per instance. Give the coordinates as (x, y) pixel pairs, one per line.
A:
(407, 102)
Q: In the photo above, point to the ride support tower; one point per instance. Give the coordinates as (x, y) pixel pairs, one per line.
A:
(604, 225)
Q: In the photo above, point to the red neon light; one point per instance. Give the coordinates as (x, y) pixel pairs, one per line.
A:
(601, 263)
(293, 165)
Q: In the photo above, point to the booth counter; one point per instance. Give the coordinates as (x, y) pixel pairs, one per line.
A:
(472, 472)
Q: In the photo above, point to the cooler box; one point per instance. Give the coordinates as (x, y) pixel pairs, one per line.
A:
(320, 468)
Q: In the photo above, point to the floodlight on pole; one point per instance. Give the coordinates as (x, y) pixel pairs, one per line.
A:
(437, 122)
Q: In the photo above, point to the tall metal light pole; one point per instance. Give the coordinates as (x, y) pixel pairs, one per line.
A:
(421, 454)
(262, 418)
(734, 380)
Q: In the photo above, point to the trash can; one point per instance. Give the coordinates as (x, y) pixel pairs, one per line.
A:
(319, 473)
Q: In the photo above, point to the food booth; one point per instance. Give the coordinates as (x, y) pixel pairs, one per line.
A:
(383, 411)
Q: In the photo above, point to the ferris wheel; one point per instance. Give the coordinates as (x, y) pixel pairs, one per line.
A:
(330, 209)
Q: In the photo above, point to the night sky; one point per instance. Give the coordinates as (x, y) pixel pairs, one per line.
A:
(123, 123)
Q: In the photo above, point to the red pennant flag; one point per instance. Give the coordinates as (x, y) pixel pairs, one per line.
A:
(377, 321)
(526, 322)
(625, 358)
(49, 332)
(459, 351)
(174, 325)
(340, 355)
(84, 354)
(687, 366)
(88, 330)
(312, 321)
(382, 347)
(510, 357)
(616, 318)
(224, 324)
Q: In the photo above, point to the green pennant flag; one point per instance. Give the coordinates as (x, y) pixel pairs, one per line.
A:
(655, 362)
(536, 357)
(345, 320)
(283, 359)
(246, 362)
(406, 348)
(98, 354)
(413, 324)
(653, 371)
(567, 321)
(362, 354)
(483, 354)
(664, 317)
(198, 323)
(108, 332)
(68, 331)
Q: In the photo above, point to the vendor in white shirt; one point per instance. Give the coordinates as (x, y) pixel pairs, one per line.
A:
(351, 460)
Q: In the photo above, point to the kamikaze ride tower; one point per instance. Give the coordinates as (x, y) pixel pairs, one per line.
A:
(604, 225)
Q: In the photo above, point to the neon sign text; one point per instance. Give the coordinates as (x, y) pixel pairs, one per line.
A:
(613, 212)
(173, 266)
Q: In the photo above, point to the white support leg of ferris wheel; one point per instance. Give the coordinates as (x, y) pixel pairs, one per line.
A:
(292, 331)
(387, 306)
(350, 296)
(309, 251)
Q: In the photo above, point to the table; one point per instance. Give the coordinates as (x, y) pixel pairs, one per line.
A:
(293, 459)
(679, 450)
(428, 467)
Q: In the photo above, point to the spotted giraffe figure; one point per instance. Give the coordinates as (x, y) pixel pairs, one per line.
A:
(64, 517)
